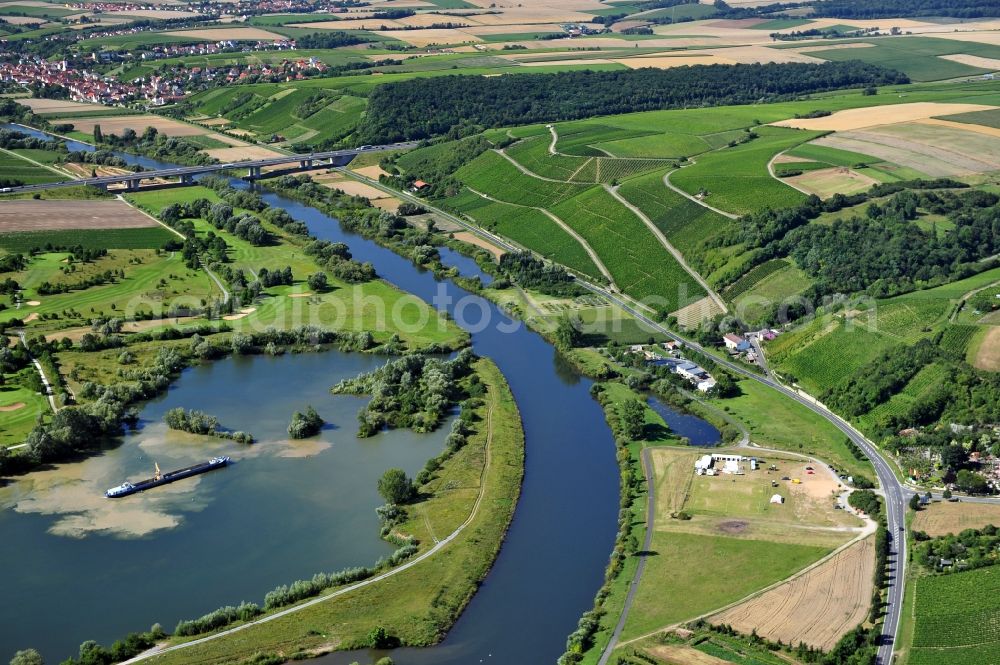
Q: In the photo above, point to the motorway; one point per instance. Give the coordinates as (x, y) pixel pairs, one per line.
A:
(188, 172)
(896, 495)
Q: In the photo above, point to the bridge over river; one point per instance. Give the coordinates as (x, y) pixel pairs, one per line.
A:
(186, 174)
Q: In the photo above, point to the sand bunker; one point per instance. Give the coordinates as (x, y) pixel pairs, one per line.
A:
(246, 311)
(12, 407)
(33, 303)
(880, 115)
(300, 295)
(31, 317)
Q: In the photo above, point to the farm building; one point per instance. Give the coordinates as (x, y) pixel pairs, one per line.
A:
(692, 372)
(778, 499)
(703, 464)
(736, 343)
(724, 457)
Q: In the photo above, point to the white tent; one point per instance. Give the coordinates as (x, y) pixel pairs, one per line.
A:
(777, 498)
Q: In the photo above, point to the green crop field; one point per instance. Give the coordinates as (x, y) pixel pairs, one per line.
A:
(907, 318)
(527, 227)
(781, 24)
(917, 57)
(494, 176)
(15, 169)
(639, 264)
(957, 619)
(737, 180)
(989, 118)
(54, 11)
(141, 238)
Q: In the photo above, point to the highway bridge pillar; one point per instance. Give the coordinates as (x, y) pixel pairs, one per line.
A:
(305, 163)
(187, 179)
(253, 173)
(132, 184)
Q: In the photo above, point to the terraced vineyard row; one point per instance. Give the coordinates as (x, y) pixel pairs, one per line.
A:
(957, 619)
(640, 265)
(688, 226)
(492, 174)
(527, 227)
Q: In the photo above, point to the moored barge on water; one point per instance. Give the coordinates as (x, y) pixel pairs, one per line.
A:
(158, 478)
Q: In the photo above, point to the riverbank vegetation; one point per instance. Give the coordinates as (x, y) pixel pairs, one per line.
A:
(414, 392)
(417, 605)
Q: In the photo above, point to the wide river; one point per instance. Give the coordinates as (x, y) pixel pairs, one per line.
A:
(76, 568)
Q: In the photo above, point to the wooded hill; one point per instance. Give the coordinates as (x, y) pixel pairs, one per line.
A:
(426, 107)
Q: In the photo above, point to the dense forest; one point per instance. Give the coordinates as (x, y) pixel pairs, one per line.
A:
(863, 9)
(422, 108)
(885, 252)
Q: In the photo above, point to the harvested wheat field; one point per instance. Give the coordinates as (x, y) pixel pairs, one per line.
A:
(678, 653)
(219, 34)
(118, 124)
(940, 519)
(660, 62)
(430, 36)
(988, 354)
(762, 54)
(817, 607)
(153, 13)
(698, 311)
(42, 215)
(349, 24)
(473, 239)
(242, 152)
(874, 116)
(373, 172)
(47, 106)
(973, 60)
(964, 126)
(824, 183)
(389, 203)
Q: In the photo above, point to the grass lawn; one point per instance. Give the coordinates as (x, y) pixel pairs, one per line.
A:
(15, 424)
(777, 422)
(153, 281)
(416, 604)
(690, 575)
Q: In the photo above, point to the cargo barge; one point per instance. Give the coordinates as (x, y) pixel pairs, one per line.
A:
(158, 478)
